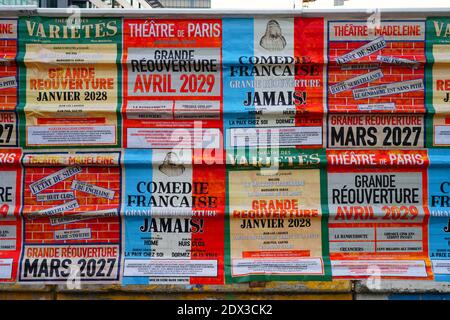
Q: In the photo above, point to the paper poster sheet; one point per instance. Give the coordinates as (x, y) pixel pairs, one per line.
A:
(439, 204)
(172, 83)
(70, 82)
(8, 82)
(10, 220)
(275, 227)
(71, 232)
(273, 82)
(378, 223)
(376, 70)
(438, 82)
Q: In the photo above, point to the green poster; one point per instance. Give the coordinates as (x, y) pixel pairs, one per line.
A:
(438, 82)
(276, 223)
(70, 82)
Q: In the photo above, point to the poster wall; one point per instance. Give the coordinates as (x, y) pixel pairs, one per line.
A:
(439, 204)
(220, 150)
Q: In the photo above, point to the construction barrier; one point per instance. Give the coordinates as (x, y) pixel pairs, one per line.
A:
(176, 150)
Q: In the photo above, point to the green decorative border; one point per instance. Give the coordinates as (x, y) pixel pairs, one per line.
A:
(324, 227)
(23, 39)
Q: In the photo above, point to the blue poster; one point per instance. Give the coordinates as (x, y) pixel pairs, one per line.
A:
(439, 205)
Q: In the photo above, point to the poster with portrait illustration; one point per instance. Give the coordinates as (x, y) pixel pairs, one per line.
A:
(72, 228)
(277, 216)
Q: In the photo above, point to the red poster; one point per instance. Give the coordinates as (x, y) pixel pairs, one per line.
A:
(8, 82)
(379, 69)
(172, 80)
(71, 215)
